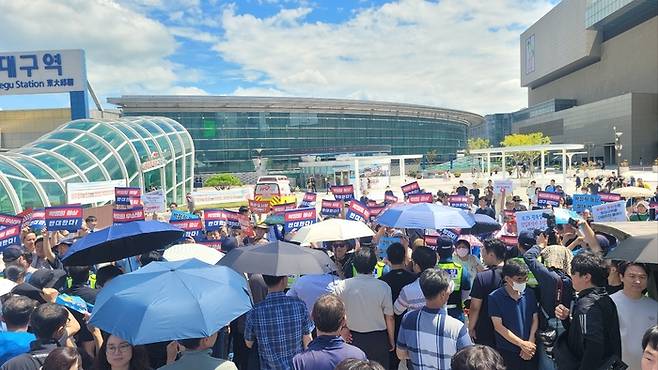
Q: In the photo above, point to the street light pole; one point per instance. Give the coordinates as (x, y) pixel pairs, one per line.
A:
(618, 147)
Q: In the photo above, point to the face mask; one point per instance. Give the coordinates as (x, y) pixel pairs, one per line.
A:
(462, 252)
(519, 287)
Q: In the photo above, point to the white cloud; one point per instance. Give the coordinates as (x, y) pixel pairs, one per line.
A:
(126, 52)
(438, 53)
(193, 34)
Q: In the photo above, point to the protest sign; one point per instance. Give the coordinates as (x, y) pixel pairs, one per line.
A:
(509, 213)
(298, 218)
(120, 216)
(127, 196)
(506, 185)
(609, 197)
(235, 219)
(411, 188)
(452, 234)
(192, 227)
(431, 240)
(376, 209)
(420, 198)
(10, 220)
(10, 236)
(389, 198)
(343, 192)
(331, 207)
(71, 302)
(278, 208)
(259, 207)
(458, 201)
(308, 200)
(214, 219)
(205, 197)
(371, 203)
(582, 202)
(68, 217)
(653, 205)
(562, 215)
(357, 212)
(181, 215)
(384, 243)
(35, 219)
(212, 243)
(610, 212)
(530, 220)
(92, 192)
(545, 198)
(154, 201)
(509, 240)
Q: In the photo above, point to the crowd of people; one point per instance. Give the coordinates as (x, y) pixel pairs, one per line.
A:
(548, 300)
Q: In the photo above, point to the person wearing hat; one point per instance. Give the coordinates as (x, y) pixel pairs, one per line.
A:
(458, 275)
(518, 206)
(14, 256)
(641, 212)
(526, 240)
(260, 235)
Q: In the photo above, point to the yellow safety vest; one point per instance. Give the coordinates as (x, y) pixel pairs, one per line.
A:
(377, 272)
(292, 279)
(455, 271)
(91, 281)
(532, 281)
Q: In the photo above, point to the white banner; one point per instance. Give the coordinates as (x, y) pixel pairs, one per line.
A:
(610, 212)
(154, 201)
(222, 196)
(92, 192)
(40, 72)
(500, 185)
(530, 220)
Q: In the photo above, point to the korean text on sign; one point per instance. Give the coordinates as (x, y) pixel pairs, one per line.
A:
(410, 188)
(67, 217)
(610, 212)
(458, 201)
(343, 192)
(609, 197)
(420, 198)
(127, 196)
(298, 218)
(545, 198)
(10, 220)
(308, 200)
(259, 207)
(120, 216)
(39, 72)
(10, 236)
(388, 198)
(192, 228)
(357, 212)
(214, 219)
(331, 207)
(582, 202)
(530, 220)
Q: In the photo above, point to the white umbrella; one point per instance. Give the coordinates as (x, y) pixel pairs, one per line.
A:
(6, 286)
(633, 192)
(332, 229)
(205, 254)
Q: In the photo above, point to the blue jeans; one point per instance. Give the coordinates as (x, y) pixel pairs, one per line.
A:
(545, 362)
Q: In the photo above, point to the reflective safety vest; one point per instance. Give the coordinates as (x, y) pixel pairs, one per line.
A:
(532, 281)
(377, 272)
(292, 279)
(91, 281)
(455, 271)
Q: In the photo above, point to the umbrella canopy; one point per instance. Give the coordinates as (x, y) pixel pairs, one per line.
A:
(637, 241)
(332, 229)
(278, 259)
(471, 239)
(120, 241)
(276, 219)
(483, 225)
(181, 252)
(425, 216)
(633, 192)
(171, 300)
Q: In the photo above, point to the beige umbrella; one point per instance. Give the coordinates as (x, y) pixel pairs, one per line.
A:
(330, 230)
(633, 192)
(201, 252)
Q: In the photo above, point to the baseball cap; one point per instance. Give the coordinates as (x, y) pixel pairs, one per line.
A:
(603, 241)
(68, 241)
(229, 244)
(11, 254)
(29, 291)
(528, 238)
(48, 279)
(444, 246)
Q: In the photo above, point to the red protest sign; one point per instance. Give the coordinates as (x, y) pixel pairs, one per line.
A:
(277, 208)
(411, 188)
(10, 236)
(10, 220)
(376, 209)
(610, 197)
(420, 198)
(357, 212)
(510, 240)
(390, 198)
(68, 217)
(298, 218)
(343, 192)
(259, 207)
(120, 216)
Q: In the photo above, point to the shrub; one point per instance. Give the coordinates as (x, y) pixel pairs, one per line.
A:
(222, 179)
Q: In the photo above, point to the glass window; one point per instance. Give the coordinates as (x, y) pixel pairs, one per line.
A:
(128, 159)
(109, 135)
(95, 174)
(64, 135)
(77, 156)
(56, 164)
(5, 202)
(47, 144)
(35, 170)
(8, 169)
(27, 193)
(56, 194)
(93, 145)
(82, 124)
(112, 166)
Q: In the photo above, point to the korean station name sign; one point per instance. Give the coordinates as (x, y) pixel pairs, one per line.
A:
(42, 72)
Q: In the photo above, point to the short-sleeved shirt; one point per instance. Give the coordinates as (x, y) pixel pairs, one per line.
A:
(411, 298)
(366, 300)
(14, 343)
(398, 279)
(325, 352)
(485, 282)
(309, 288)
(278, 324)
(515, 314)
(635, 317)
(431, 338)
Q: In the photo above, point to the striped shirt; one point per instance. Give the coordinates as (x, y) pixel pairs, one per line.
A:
(431, 338)
(411, 298)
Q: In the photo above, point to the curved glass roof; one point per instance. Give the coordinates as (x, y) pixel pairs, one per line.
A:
(90, 150)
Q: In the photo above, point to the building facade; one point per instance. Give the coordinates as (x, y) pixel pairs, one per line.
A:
(236, 134)
(494, 128)
(589, 66)
(143, 152)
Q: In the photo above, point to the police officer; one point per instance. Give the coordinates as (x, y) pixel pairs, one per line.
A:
(459, 275)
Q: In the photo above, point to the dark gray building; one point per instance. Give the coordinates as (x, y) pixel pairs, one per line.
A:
(589, 66)
(494, 128)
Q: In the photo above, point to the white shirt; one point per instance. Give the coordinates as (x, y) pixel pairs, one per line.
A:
(367, 300)
(309, 288)
(635, 317)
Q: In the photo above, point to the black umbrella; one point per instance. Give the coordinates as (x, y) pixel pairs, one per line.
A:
(278, 258)
(483, 225)
(642, 249)
(120, 241)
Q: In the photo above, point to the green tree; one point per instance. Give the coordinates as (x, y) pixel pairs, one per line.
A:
(222, 179)
(528, 157)
(478, 143)
(431, 156)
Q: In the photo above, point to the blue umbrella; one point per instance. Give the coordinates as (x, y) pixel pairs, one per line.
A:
(171, 300)
(483, 225)
(120, 241)
(425, 216)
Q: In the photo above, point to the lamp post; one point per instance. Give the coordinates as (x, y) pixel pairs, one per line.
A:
(618, 147)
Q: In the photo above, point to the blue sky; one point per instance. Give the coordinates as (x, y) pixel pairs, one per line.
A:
(461, 54)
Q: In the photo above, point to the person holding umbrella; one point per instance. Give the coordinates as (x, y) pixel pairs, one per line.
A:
(196, 356)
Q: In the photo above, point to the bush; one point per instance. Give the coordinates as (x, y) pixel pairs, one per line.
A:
(457, 174)
(222, 179)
